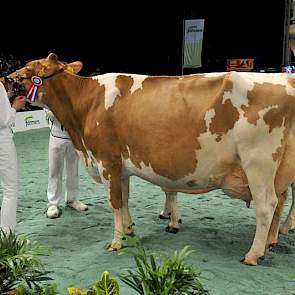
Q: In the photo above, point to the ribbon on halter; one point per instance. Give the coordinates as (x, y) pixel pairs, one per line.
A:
(33, 91)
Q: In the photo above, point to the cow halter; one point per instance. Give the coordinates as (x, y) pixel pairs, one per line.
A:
(37, 82)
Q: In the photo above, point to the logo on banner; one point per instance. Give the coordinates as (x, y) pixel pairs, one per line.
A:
(29, 121)
(193, 29)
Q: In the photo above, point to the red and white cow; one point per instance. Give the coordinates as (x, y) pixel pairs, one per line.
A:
(233, 131)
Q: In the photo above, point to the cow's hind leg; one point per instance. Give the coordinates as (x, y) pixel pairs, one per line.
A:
(261, 182)
(169, 207)
(166, 212)
(173, 226)
(289, 223)
(272, 238)
(127, 221)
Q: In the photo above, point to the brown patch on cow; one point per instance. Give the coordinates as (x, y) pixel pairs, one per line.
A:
(266, 95)
(277, 156)
(218, 138)
(161, 123)
(124, 84)
(226, 115)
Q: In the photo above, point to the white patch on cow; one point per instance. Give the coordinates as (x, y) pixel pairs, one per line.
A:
(91, 166)
(97, 124)
(272, 78)
(210, 160)
(244, 82)
(96, 169)
(213, 75)
(290, 90)
(145, 172)
(111, 91)
(238, 94)
(261, 140)
(137, 82)
(208, 117)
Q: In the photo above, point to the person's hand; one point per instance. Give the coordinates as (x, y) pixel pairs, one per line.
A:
(19, 103)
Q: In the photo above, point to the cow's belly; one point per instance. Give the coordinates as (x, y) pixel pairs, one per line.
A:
(214, 160)
(210, 178)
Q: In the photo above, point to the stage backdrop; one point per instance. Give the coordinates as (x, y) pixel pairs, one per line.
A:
(29, 120)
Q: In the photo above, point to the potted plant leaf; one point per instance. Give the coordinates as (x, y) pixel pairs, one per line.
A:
(171, 276)
(104, 286)
(20, 263)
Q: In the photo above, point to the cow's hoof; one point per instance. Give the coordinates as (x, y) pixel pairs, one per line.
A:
(115, 246)
(250, 262)
(180, 220)
(128, 230)
(131, 225)
(271, 246)
(171, 230)
(161, 216)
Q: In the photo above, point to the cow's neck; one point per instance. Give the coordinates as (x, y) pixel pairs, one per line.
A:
(68, 96)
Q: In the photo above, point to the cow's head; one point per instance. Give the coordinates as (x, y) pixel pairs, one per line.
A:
(44, 69)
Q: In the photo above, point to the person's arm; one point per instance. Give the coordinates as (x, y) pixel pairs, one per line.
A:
(7, 113)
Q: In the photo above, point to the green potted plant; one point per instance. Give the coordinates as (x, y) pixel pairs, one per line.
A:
(104, 286)
(19, 263)
(172, 276)
(40, 290)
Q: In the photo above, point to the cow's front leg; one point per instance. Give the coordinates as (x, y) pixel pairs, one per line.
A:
(289, 223)
(127, 221)
(110, 174)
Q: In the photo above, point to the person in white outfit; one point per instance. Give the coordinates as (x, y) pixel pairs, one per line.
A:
(8, 160)
(61, 150)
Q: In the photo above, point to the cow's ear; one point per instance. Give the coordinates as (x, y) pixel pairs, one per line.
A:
(52, 57)
(75, 67)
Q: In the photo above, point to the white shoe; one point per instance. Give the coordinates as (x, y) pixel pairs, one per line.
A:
(52, 211)
(77, 205)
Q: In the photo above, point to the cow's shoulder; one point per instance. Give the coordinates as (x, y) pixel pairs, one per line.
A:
(118, 84)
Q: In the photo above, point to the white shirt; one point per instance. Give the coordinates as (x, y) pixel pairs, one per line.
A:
(56, 128)
(7, 113)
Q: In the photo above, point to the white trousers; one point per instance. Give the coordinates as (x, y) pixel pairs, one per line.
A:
(62, 151)
(9, 180)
